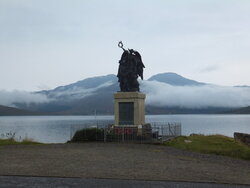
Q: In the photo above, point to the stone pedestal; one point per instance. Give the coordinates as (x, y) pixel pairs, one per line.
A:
(129, 108)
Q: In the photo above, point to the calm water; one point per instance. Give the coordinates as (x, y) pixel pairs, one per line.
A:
(59, 129)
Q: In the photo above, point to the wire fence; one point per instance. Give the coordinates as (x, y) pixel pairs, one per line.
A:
(88, 125)
(154, 132)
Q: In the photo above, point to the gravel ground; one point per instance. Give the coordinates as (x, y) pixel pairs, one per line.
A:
(121, 161)
(52, 182)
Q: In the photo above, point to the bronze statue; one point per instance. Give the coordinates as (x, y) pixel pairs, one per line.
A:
(130, 67)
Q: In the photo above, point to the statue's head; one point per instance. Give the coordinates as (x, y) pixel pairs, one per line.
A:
(131, 51)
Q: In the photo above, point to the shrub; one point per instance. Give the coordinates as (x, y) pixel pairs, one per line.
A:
(88, 134)
(12, 141)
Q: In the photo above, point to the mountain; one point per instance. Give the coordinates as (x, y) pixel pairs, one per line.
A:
(244, 110)
(100, 102)
(10, 111)
(243, 86)
(174, 79)
(80, 98)
(183, 110)
(81, 88)
(95, 95)
(92, 95)
(95, 85)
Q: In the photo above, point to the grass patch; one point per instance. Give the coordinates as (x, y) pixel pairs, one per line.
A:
(11, 141)
(211, 144)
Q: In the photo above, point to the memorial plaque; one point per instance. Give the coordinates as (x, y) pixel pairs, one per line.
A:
(126, 113)
(129, 108)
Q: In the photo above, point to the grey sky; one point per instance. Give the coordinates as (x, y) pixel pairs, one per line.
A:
(48, 43)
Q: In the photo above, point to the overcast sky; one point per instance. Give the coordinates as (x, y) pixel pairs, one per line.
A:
(48, 43)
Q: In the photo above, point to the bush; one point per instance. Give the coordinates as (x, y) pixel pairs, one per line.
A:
(12, 141)
(88, 134)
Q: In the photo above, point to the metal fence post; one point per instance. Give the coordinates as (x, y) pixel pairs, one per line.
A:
(122, 134)
(104, 134)
(70, 132)
(161, 134)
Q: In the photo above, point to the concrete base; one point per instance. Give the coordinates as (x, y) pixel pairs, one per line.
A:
(129, 108)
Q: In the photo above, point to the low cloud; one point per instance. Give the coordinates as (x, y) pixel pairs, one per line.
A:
(210, 68)
(76, 92)
(158, 94)
(9, 98)
(161, 94)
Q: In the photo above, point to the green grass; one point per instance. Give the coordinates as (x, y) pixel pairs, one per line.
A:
(11, 141)
(211, 144)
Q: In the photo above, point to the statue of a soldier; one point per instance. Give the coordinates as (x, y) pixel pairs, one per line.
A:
(130, 67)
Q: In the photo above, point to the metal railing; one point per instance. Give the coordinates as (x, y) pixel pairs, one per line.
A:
(150, 133)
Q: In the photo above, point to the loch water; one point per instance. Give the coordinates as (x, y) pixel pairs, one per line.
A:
(59, 129)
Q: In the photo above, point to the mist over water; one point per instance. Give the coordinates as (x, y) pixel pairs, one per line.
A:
(162, 94)
(158, 94)
(8, 98)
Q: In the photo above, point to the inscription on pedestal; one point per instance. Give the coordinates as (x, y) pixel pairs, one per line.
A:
(126, 113)
(129, 108)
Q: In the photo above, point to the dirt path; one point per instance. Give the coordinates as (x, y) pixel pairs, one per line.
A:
(121, 161)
